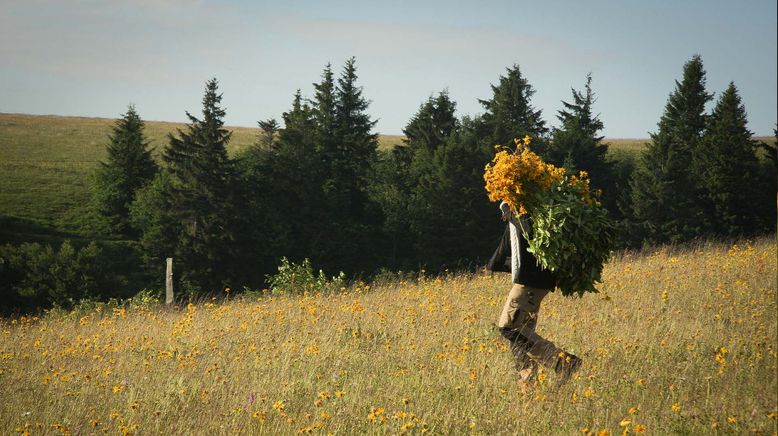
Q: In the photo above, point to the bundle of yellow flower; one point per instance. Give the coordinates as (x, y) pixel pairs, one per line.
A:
(572, 234)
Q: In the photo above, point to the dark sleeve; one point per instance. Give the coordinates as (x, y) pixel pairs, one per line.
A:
(501, 259)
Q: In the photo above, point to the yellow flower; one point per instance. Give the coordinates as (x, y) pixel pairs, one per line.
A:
(625, 422)
(732, 420)
(376, 415)
(632, 410)
(676, 407)
(640, 428)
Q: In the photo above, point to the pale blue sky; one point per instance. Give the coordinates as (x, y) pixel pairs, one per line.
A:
(93, 57)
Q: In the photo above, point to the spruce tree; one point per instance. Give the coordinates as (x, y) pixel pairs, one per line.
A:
(324, 115)
(509, 114)
(287, 207)
(129, 167)
(432, 124)
(727, 170)
(356, 141)
(398, 172)
(200, 195)
(663, 194)
(577, 144)
(267, 136)
(451, 219)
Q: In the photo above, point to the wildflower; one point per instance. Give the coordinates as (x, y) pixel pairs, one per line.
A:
(640, 428)
(732, 420)
(632, 410)
(625, 422)
(279, 406)
(376, 415)
(260, 416)
(676, 407)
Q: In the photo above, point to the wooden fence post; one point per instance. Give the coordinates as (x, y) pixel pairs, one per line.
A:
(169, 282)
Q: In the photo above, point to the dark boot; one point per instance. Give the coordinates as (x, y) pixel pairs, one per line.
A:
(567, 365)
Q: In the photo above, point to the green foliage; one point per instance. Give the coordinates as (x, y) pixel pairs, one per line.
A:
(663, 188)
(267, 136)
(295, 278)
(412, 186)
(732, 192)
(509, 113)
(576, 143)
(34, 274)
(432, 124)
(450, 217)
(129, 167)
(146, 299)
(200, 198)
(309, 190)
(572, 238)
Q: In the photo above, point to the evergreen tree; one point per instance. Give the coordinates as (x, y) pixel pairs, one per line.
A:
(284, 205)
(509, 114)
(129, 167)
(267, 136)
(432, 124)
(200, 195)
(346, 159)
(357, 144)
(324, 115)
(727, 169)
(664, 198)
(398, 172)
(577, 145)
(451, 219)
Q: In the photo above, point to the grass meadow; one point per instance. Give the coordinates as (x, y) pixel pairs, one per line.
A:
(680, 340)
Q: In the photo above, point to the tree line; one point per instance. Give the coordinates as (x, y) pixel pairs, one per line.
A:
(316, 186)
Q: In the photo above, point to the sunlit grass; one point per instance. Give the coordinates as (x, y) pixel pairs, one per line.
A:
(678, 341)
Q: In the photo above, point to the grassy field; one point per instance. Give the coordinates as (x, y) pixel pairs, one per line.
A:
(679, 341)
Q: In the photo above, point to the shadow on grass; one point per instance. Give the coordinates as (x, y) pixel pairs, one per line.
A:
(15, 230)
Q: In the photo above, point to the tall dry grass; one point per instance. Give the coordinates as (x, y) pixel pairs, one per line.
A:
(678, 341)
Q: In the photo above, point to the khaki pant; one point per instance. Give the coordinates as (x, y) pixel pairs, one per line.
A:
(517, 323)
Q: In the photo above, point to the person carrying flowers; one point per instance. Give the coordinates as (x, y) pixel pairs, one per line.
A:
(560, 236)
